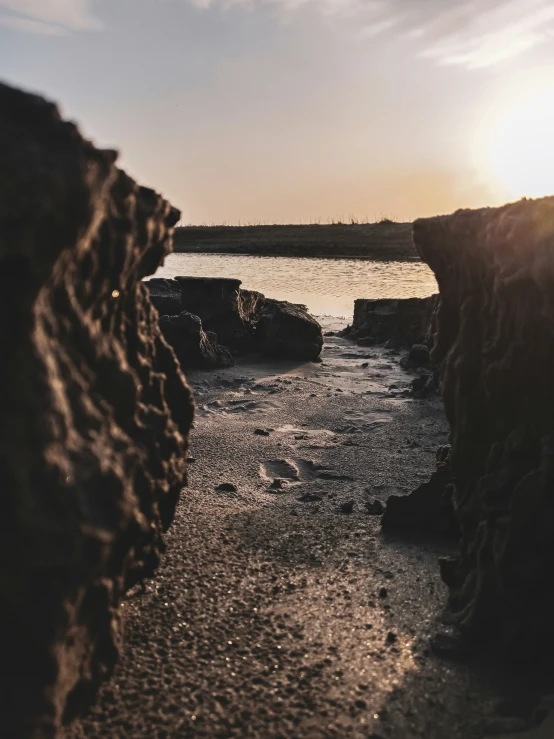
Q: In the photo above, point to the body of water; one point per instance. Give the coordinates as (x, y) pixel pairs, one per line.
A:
(326, 286)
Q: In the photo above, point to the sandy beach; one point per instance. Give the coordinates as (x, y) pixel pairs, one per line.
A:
(276, 611)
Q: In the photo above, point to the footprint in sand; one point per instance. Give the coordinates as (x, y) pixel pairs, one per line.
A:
(304, 434)
(297, 470)
(238, 406)
(360, 421)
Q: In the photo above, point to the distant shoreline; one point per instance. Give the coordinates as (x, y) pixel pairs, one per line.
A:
(375, 241)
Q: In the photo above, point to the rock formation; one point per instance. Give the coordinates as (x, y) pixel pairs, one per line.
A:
(193, 346)
(287, 331)
(240, 320)
(221, 305)
(94, 413)
(494, 344)
(403, 322)
(429, 507)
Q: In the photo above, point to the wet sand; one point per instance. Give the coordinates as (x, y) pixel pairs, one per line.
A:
(276, 613)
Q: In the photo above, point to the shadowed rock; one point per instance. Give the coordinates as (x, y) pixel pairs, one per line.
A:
(94, 413)
(165, 295)
(403, 322)
(242, 320)
(494, 344)
(221, 305)
(287, 331)
(193, 347)
(428, 508)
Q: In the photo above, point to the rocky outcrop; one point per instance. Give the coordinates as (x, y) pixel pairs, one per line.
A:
(287, 331)
(240, 320)
(223, 308)
(165, 295)
(193, 346)
(429, 507)
(402, 322)
(494, 344)
(94, 413)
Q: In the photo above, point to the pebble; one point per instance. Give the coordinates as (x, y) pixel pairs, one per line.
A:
(226, 487)
(261, 432)
(310, 498)
(347, 506)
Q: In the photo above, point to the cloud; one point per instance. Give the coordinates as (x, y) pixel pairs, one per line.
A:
(474, 36)
(49, 17)
(469, 33)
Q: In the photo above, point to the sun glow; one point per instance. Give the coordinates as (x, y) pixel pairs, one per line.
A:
(515, 146)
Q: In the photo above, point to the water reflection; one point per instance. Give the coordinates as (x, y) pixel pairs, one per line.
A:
(326, 286)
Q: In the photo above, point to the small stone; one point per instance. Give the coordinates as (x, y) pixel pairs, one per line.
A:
(383, 592)
(261, 432)
(347, 506)
(191, 460)
(391, 637)
(226, 487)
(375, 507)
(278, 484)
(364, 365)
(310, 498)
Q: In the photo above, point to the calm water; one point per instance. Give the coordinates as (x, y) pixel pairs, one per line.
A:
(326, 286)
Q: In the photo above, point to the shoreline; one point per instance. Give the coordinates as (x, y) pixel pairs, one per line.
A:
(380, 241)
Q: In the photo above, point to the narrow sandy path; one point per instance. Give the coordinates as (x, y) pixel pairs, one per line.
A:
(276, 614)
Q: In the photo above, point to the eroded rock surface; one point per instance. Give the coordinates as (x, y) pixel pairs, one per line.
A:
(494, 343)
(287, 331)
(239, 320)
(94, 413)
(402, 322)
(221, 305)
(193, 346)
(429, 507)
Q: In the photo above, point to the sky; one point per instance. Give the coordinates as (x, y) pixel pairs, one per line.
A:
(290, 111)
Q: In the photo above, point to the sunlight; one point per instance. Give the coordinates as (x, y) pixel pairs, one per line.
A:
(515, 143)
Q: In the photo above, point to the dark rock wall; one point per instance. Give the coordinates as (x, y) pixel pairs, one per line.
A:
(94, 411)
(403, 322)
(494, 343)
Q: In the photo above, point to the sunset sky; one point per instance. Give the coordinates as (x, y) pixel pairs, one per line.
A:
(302, 110)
